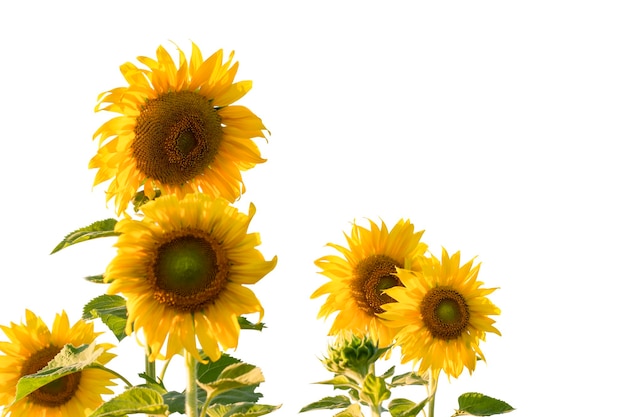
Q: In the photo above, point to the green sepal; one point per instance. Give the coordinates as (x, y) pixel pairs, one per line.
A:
(240, 410)
(409, 378)
(135, 400)
(96, 279)
(140, 199)
(374, 390)
(353, 411)
(111, 309)
(101, 228)
(388, 373)
(341, 382)
(68, 361)
(328, 403)
(476, 404)
(246, 324)
(401, 407)
(233, 377)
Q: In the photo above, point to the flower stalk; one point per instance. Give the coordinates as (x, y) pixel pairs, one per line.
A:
(191, 393)
(432, 390)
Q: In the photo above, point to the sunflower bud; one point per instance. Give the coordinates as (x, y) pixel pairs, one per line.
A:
(352, 354)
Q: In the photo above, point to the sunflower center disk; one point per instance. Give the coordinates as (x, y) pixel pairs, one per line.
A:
(189, 271)
(374, 275)
(57, 392)
(177, 136)
(445, 313)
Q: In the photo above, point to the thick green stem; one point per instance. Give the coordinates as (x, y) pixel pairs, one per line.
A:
(191, 393)
(150, 370)
(432, 390)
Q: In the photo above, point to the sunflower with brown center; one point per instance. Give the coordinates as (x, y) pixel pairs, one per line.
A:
(30, 347)
(442, 313)
(183, 268)
(178, 131)
(359, 277)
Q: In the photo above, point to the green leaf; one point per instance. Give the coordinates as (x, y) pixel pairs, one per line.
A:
(243, 410)
(409, 378)
(176, 401)
(210, 371)
(374, 390)
(328, 403)
(476, 404)
(240, 410)
(233, 377)
(135, 400)
(401, 407)
(68, 361)
(111, 309)
(101, 228)
(353, 411)
(246, 324)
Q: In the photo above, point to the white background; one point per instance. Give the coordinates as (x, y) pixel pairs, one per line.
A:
(496, 126)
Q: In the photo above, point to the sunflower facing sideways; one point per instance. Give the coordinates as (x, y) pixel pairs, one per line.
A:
(182, 270)
(178, 131)
(30, 347)
(359, 277)
(443, 313)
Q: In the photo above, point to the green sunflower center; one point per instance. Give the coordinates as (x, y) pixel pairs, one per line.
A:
(177, 136)
(445, 313)
(189, 271)
(373, 275)
(57, 392)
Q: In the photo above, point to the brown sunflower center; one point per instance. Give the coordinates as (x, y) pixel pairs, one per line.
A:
(189, 271)
(445, 313)
(57, 392)
(177, 136)
(373, 275)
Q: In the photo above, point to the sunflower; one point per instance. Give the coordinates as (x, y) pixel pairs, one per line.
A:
(443, 313)
(182, 269)
(358, 278)
(178, 131)
(30, 347)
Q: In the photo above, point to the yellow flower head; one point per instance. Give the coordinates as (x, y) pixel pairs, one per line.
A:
(178, 131)
(183, 268)
(442, 312)
(359, 277)
(30, 347)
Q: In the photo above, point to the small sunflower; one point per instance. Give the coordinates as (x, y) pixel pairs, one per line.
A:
(30, 347)
(443, 313)
(178, 131)
(183, 268)
(359, 277)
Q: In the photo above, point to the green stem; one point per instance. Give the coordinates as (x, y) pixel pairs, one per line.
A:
(165, 365)
(111, 371)
(150, 368)
(432, 390)
(191, 393)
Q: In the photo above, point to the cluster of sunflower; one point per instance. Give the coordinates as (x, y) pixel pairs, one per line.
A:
(387, 291)
(173, 158)
(185, 258)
